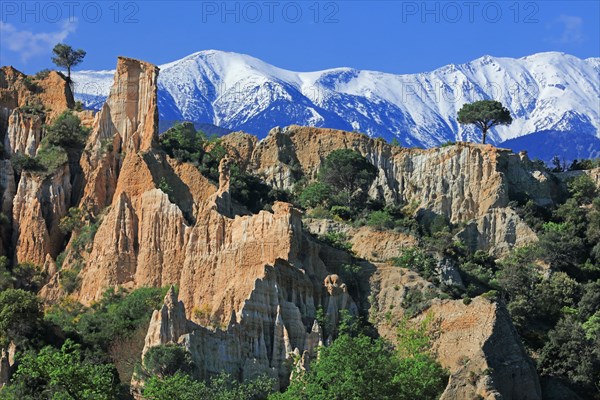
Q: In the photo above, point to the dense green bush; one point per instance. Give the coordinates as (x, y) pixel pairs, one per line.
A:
(6, 279)
(51, 157)
(118, 314)
(418, 260)
(23, 162)
(20, 317)
(359, 367)
(66, 132)
(28, 277)
(349, 176)
(67, 374)
(380, 220)
(339, 240)
(43, 74)
(314, 195)
(73, 221)
(166, 360)
(183, 142)
(222, 387)
(570, 355)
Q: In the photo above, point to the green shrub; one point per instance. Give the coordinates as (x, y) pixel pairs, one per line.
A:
(342, 213)
(380, 220)
(73, 221)
(85, 237)
(20, 317)
(339, 240)
(583, 189)
(28, 277)
(66, 132)
(23, 162)
(359, 367)
(51, 158)
(68, 373)
(319, 212)
(34, 109)
(43, 74)
(221, 387)
(4, 221)
(418, 260)
(6, 279)
(183, 142)
(165, 187)
(349, 176)
(31, 85)
(166, 360)
(69, 280)
(315, 194)
(117, 315)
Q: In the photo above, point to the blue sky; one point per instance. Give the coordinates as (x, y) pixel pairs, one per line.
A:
(391, 36)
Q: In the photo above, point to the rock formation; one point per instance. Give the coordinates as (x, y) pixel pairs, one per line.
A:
(249, 285)
(7, 363)
(491, 362)
(476, 343)
(465, 182)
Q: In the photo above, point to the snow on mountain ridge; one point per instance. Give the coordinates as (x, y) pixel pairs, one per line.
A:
(543, 91)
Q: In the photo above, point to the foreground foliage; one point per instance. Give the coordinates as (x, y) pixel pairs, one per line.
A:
(360, 367)
(62, 374)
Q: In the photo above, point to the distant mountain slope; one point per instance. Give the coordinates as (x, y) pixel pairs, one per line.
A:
(547, 144)
(545, 91)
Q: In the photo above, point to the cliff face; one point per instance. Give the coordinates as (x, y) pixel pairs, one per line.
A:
(127, 124)
(477, 343)
(464, 182)
(33, 203)
(491, 361)
(38, 206)
(249, 285)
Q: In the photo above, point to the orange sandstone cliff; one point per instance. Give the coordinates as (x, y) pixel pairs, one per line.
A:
(249, 285)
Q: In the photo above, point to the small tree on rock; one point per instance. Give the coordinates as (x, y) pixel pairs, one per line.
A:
(484, 114)
(67, 58)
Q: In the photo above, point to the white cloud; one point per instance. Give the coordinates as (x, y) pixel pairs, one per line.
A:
(29, 44)
(572, 29)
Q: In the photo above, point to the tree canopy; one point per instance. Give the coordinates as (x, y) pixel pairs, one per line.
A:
(66, 57)
(348, 173)
(484, 114)
(359, 367)
(65, 374)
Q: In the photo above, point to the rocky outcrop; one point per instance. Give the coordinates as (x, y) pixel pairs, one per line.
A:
(248, 285)
(127, 124)
(465, 182)
(480, 347)
(475, 342)
(7, 363)
(274, 323)
(24, 133)
(26, 103)
(167, 324)
(38, 206)
(367, 243)
(497, 232)
(461, 182)
(593, 173)
(389, 287)
(35, 203)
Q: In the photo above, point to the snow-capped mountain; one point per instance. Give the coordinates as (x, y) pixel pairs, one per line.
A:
(545, 91)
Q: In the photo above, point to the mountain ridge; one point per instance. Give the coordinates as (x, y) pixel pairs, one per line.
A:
(544, 91)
